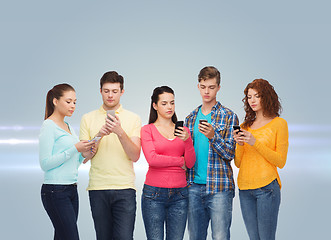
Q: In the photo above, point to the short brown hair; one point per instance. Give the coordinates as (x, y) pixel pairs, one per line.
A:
(112, 77)
(210, 72)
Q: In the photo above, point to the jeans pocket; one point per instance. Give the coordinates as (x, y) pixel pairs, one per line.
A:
(59, 188)
(149, 194)
(270, 187)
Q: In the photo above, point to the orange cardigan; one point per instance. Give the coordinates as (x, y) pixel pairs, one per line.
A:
(258, 163)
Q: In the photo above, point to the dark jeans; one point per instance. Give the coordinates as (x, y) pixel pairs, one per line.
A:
(114, 213)
(164, 206)
(61, 205)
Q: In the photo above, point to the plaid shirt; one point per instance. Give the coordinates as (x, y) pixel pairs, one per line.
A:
(221, 148)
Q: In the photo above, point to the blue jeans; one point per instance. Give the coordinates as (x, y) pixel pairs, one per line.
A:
(114, 213)
(164, 205)
(61, 205)
(203, 207)
(259, 208)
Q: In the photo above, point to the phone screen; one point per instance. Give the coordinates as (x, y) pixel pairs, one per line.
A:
(112, 113)
(236, 127)
(179, 124)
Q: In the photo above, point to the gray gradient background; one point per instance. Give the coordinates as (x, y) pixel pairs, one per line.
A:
(153, 43)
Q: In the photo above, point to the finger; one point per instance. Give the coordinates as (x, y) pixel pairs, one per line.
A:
(115, 119)
(202, 125)
(202, 130)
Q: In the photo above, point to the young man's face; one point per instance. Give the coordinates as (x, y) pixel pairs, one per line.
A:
(208, 90)
(111, 94)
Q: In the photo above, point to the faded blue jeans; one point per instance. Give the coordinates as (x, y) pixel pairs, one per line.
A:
(61, 205)
(164, 206)
(259, 208)
(203, 207)
(114, 213)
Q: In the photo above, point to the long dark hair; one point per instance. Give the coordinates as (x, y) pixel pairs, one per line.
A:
(269, 101)
(56, 92)
(155, 98)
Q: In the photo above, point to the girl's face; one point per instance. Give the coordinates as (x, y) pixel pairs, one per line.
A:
(165, 107)
(254, 100)
(66, 105)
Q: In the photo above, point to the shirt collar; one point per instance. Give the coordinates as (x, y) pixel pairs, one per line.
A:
(118, 111)
(216, 106)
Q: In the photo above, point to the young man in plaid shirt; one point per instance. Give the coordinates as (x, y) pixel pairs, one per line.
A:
(211, 184)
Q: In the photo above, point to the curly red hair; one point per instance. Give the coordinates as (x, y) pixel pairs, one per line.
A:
(269, 101)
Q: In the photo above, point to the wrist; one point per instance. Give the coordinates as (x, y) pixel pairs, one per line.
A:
(120, 133)
(100, 134)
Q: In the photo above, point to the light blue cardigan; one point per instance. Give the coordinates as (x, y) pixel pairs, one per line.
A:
(58, 155)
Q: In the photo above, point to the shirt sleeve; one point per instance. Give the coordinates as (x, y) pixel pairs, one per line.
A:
(137, 128)
(189, 155)
(47, 159)
(277, 157)
(84, 133)
(154, 159)
(223, 142)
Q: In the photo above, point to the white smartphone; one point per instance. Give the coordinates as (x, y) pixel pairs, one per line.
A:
(110, 112)
(95, 139)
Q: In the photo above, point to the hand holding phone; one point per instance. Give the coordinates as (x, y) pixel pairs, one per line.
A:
(237, 127)
(178, 124)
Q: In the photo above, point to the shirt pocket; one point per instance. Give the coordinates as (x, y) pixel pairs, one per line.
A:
(221, 129)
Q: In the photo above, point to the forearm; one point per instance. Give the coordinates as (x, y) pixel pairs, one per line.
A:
(238, 155)
(224, 148)
(189, 155)
(48, 161)
(222, 141)
(131, 148)
(277, 158)
(158, 160)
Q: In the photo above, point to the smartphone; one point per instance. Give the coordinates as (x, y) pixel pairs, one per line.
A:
(95, 139)
(178, 124)
(237, 127)
(201, 121)
(112, 113)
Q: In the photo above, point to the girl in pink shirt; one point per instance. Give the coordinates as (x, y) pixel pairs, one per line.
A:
(169, 153)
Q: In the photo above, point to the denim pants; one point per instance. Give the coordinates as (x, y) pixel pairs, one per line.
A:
(61, 205)
(203, 207)
(114, 213)
(164, 206)
(259, 208)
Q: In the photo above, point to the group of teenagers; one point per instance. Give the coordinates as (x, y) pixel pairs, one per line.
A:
(189, 179)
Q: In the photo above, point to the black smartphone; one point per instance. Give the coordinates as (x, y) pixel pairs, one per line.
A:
(178, 124)
(237, 127)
